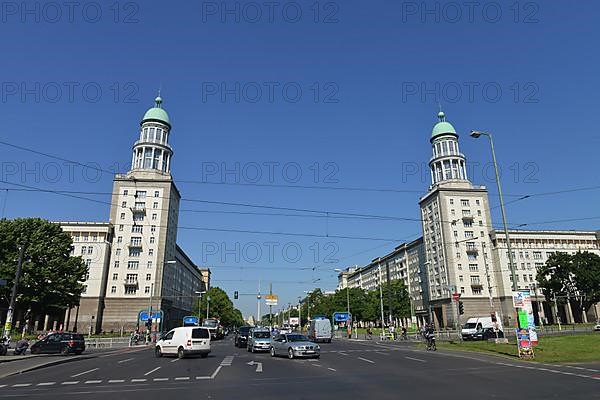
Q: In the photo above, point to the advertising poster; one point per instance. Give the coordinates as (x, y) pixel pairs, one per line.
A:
(524, 343)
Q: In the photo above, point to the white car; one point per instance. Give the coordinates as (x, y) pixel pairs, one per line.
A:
(183, 341)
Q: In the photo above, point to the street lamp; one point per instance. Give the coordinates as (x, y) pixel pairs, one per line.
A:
(477, 134)
(347, 302)
(199, 293)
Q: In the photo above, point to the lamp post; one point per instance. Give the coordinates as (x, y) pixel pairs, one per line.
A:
(308, 304)
(347, 303)
(199, 293)
(381, 295)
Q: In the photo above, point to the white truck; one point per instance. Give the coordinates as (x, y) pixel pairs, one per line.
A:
(320, 330)
(482, 328)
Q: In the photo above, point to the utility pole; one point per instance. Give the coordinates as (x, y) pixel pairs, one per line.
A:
(389, 291)
(300, 314)
(258, 301)
(270, 307)
(381, 296)
(13, 296)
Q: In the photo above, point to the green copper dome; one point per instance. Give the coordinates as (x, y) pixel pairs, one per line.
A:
(442, 127)
(157, 113)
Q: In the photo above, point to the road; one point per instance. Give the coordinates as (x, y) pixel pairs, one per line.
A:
(351, 370)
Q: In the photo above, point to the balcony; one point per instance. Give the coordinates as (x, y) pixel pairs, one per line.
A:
(476, 285)
(467, 218)
(472, 250)
(139, 209)
(129, 282)
(135, 245)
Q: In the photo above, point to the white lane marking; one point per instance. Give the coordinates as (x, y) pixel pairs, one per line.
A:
(160, 379)
(46, 384)
(124, 361)
(415, 359)
(177, 359)
(344, 354)
(1, 386)
(70, 383)
(92, 382)
(21, 385)
(138, 380)
(182, 378)
(216, 372)
(331, 369)
(580, 368)
(151, 371)
(316, 365)
(383, 354)
(84, 372)
(203, 377)
(364, 359)
(116, 381)
(227, 361)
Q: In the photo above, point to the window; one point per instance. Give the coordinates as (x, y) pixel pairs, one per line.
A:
(136, 241)
(94, 238)
(154, 216)
(464, 203)
(476, 290)
(85, 237)
(125, 192)
(131, 278)
(451, 201)
(138, 217)
(466, 213)
(115, 277)
(459, 266)
(477, 202)
(152, 240)
(133, 265)
(455, 233)
(472, 257)
(475, 280)
(137, 229)
(473, 268)
(468, 234)
(147, 290)
(124, 204)
(537, 255)
(529, 266)
(120, 228)
(524, 277)
(156, 193)
(116, 264)
(151, 252)
(149, 264)
(153, 228)
(462, 290)
(523, 266)
(83, 250)
(88, 262)
(148, 277)
(140, 194)
(120, 239)
(130, 289)
(479, 213)
(118, 252)
(460, 278)
(122, 215)
(86, 276)
(453, 213)
(468, 224)
(113, 289)
(155, 204)
(458, 254)
(480, 223)
(90, 250)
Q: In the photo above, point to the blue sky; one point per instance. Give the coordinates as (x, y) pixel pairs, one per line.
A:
(345, 96)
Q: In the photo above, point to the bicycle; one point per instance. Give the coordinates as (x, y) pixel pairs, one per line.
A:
(431, 343)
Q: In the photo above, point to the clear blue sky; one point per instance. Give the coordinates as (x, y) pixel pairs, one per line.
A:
(368, 72)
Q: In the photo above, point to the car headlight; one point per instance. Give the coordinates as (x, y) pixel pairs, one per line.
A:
(318, 347)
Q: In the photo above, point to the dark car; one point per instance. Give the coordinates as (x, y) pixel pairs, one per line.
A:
(60, 342)
(241, 336)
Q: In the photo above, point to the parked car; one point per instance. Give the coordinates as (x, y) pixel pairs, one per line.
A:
(320, 330)
(481, 328)
(241, 336)
(259, 339)
(184, 341)
(60, 342)
(294, 345)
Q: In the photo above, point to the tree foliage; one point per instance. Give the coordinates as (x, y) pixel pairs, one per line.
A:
(51, 277)
(220, 306)
(576, 276)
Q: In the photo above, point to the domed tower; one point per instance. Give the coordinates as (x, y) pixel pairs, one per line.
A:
(447, 163)
(152, 151)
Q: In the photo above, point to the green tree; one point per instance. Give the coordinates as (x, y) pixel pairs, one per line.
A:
(51, 277)
(220, 306)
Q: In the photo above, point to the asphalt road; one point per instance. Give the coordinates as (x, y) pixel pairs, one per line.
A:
(349, 370)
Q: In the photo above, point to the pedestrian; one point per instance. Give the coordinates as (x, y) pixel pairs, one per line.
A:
(369, 333)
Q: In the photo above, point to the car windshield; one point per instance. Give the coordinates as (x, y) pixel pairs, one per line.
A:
(200, 333)
(470, 325)
(262, 335)
(210, 323)
(297, 338)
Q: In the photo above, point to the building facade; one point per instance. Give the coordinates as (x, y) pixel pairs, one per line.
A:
(140, 266)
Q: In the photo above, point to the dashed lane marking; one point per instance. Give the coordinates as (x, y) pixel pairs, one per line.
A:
(151, 371)
(182, 378)
(84, 372)
(92, 382)
(415, 359)
(46, 384)
(331, 369)
(160, 379)
(18, 385)
(382, 354)
(138, 380)
(124, 361)
(175, 360)
(364, 359)
(70, 383)
(116, 380)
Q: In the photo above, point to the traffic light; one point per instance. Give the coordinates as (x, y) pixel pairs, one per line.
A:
(236, 295)
(461, 308)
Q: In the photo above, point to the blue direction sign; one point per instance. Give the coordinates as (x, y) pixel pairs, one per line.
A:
(190, 321)
(156, 316)
(341, 317)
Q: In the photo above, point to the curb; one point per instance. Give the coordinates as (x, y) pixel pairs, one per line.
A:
(47, 364)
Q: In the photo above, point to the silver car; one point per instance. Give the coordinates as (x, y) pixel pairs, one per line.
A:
(259, 339)
(294, 345)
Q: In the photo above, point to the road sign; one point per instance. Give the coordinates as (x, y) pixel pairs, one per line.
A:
(271, 300)
(191, 321)
(456, 296)
(156, 316)
(341, 317)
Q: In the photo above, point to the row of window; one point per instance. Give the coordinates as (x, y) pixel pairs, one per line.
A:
(135, 252)
(152, 133)
(130, 290)
(87, 250)
(131, 278)
(132, 264)
(137, 228)
(87, 237)
(140, 217)
(465, 202)
(141, 194)
(139, 205)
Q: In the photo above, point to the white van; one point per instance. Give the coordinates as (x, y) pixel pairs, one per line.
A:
(481, 328)
(183, 341)
(320, 330)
